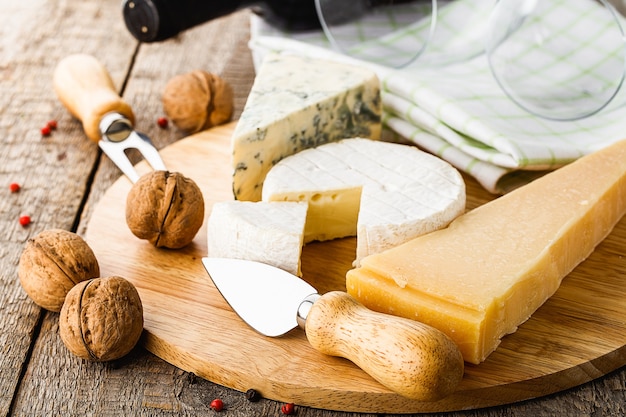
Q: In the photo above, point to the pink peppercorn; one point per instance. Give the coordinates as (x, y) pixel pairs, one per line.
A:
(162, 122)
(217, 404)
(288, 408)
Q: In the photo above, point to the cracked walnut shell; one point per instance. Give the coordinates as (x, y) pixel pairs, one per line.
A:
(165, 208)
(197, 101)
(102, 319)
(52, 263)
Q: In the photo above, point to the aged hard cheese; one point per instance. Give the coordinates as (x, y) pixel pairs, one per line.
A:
(298, 103)
(384, 193)
(265, 232)
(480, 278)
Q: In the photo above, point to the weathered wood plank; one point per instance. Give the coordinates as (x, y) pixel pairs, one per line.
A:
(141, 384)
(53, 171)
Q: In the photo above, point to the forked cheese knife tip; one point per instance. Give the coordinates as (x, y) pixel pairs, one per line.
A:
(408, 357)
(85, 88)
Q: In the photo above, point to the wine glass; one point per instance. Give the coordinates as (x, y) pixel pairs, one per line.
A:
(388, 32)
(558, 59)
(397, 33)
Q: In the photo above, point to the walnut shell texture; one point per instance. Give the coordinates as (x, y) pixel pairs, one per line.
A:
(197, 100)
(52, 263)
(102, 319)
(165, 208)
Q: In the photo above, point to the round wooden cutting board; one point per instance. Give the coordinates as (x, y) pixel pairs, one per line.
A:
(577, 335)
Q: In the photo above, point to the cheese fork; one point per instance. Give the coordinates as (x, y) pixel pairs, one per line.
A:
(86, 90)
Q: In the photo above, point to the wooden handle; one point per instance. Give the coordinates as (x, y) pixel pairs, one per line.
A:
(85, 88)
(408, 357)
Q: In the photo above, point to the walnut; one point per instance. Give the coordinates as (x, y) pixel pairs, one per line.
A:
(197, 101)
(165, 208)
(102, 319)
(52, 263)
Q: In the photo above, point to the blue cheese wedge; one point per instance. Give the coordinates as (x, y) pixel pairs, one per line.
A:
(384, 193)
(271, 233)
(298, 103)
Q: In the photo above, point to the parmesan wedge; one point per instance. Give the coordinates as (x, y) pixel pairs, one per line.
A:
(491, 268)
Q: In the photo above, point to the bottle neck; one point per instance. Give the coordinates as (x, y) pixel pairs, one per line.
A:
(158, 20)
(291, 15)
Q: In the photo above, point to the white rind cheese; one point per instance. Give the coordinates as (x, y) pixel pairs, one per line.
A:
(384, 193)
(265, 232)
(298, 103)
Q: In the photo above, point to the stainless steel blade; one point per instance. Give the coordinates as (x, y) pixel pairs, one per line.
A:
(266, 297)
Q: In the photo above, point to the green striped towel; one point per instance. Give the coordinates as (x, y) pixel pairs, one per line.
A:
(459, 112)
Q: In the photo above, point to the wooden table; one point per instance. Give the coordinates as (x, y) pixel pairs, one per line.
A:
(63, 177)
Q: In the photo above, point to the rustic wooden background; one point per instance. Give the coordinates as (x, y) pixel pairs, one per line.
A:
(64, 175)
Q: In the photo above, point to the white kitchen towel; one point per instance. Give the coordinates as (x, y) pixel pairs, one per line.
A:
(459, 112)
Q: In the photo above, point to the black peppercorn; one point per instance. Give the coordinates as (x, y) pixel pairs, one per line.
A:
(253, 395)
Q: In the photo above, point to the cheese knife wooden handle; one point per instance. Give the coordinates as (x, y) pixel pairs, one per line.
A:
(85, 88)
(408, 357)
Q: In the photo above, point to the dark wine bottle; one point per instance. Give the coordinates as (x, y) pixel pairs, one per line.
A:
(157, 20)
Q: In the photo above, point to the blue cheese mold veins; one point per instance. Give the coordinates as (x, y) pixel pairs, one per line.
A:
(298, 103)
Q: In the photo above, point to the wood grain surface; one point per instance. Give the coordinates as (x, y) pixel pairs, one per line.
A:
(578, 335)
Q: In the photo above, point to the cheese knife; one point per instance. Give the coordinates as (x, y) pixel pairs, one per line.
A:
(85, 88)
(408, 357)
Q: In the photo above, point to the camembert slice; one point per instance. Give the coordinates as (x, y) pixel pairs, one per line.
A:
(265, 232)
(297, 103)
(384, 193)
(489, 270)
